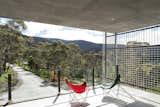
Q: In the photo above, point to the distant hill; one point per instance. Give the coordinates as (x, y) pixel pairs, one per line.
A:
(84, 45)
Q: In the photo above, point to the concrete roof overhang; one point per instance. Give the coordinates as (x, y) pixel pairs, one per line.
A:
(103, 15)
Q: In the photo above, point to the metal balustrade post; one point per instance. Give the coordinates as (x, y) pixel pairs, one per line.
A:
(59, 80)
(93, 78)
(117, 68)
(105, 55)
(115, 52)
(9, 87)
(115, 48)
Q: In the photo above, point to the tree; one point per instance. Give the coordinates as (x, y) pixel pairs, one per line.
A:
(36, 56)
(17, 24)
(11, 45)
(58, 54)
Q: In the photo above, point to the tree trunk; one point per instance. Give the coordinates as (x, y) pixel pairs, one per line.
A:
(4, 65)
(0, 72)
(5, 60)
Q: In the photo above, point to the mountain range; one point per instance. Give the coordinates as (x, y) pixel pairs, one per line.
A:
(84, 45)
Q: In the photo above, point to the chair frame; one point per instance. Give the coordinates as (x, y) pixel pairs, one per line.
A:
(73, 94)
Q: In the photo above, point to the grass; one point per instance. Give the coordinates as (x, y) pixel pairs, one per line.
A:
(4, 80)
(25, 67)
(44, 74)
(153, 91)
(4, 77)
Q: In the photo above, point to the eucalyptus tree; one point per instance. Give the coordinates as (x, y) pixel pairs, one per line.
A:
(57, 57)
(97, 64)
(17, 24)
(58, 54)
(36, 56)
(11, 43)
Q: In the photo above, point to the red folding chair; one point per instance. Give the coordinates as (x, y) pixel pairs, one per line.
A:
(77, 89)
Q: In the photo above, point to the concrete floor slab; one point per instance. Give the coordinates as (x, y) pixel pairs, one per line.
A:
(127, 97)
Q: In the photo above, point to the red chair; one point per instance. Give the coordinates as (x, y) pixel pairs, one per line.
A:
(78, 89)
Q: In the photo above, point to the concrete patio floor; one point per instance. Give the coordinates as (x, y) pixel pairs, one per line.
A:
(126, 97)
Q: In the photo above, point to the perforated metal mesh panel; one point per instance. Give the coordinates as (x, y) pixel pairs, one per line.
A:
(138, 56)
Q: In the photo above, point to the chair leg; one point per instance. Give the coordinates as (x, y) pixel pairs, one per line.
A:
(73, 97)
(118, 89)
(106, 91)
(86, 95)
(128, 94)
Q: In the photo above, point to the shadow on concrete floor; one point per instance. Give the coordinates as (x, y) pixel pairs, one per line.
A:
(111, 100)
(138, 104)
(120, 103)
(79, 104)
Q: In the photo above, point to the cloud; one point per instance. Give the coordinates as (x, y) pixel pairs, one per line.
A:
(151, 36)
(3, 20)
(33, 28)
(61, 32)
(74, 35)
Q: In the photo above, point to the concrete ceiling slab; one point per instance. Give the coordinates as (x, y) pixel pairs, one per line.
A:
(103, 15)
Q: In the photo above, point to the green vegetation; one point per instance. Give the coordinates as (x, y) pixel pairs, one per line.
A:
(153, 91)
(11, 46)
(46, 59)
(4, 79)
(138, 66)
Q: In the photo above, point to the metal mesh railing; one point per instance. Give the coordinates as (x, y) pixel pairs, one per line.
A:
(138, 57)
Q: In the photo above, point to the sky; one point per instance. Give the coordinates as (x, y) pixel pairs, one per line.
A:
(60, 32)
(152, 36)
